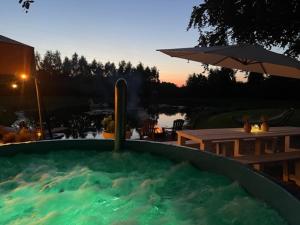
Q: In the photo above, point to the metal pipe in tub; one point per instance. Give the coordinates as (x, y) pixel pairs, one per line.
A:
(120, 113)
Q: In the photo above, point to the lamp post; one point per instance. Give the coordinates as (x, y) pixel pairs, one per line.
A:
(38, 98)
(24, 77)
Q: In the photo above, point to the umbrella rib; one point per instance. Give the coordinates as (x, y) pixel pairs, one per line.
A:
(240, 61)
(185, 55)
(221, 60)
(264, 69)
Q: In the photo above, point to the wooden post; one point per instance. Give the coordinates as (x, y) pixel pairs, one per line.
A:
(236, 149)
(257, 146)
(286, 143)
(285, 171)
(181, 140)
(218, 148)
(202, 146)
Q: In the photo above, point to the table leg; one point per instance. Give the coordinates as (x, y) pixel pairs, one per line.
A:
(202, 146)
(297, 173)
(257, 151)
(218, 148)
(286, 143)
(181, 140)
(257, 146)
(285, 171)
(236, 149)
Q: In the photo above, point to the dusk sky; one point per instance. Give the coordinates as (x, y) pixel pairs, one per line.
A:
(112, 30)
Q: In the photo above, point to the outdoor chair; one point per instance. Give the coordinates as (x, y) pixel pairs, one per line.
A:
(148, 130)
(171, 131)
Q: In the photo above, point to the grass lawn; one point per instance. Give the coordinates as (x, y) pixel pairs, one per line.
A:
(223, 120)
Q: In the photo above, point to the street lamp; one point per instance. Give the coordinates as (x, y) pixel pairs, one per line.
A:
(24, 77)
(14, 86)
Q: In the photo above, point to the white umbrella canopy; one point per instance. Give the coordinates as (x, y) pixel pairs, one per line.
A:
(243, 57)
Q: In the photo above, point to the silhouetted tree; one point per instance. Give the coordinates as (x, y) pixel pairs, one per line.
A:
(75, 65)
(197, 85)
(26, 4)
(255, 79)
(67, 67)
(83, 67)
(221, 82)
(269, 23)
(51, 63)
(169, 90)
(96, 69)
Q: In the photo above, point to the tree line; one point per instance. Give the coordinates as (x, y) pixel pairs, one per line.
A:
(222, 83)
(75, 76)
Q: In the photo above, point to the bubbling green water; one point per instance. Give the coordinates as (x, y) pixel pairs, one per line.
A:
(76, 187)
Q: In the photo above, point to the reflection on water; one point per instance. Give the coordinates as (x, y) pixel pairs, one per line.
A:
(81, 124)
(165, 120)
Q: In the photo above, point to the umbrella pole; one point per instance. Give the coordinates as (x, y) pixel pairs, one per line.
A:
(38, 98)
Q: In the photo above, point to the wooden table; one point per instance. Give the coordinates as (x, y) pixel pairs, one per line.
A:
(235, 135)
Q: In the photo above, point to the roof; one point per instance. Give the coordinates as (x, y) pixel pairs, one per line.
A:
(11, 41)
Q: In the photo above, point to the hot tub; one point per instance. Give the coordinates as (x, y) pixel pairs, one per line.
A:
(85, 182)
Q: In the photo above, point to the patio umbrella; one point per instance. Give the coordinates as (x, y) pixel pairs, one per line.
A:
(18, 59)
(243, 57)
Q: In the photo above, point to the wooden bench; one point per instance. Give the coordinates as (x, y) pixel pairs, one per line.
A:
(268, 158)
(283, 157)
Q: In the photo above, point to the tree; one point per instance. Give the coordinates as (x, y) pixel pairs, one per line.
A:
(96, 68)
(255, 79)
(121, 69)
(75, 65)
(67, 67)
(83, 67)
(26, 4)
(221, 81)
(110, 70)
(196, 80)
(265, 22)
(51, 63)
(197, 85)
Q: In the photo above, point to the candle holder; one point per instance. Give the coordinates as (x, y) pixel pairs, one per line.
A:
(264, 125)
(255, 128)
(247, 125)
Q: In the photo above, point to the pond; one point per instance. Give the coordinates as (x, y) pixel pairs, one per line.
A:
(73, 123)
(163, 120)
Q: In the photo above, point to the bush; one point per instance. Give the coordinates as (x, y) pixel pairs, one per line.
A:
(108, 124)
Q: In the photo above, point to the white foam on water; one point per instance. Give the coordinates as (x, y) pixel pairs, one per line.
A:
(76, 187)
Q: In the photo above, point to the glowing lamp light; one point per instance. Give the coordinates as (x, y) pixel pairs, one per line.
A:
(39, 134)
(255, 128)
(14, 86)
(24, 76)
